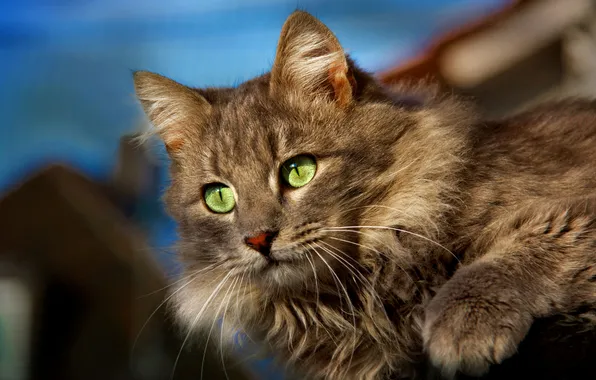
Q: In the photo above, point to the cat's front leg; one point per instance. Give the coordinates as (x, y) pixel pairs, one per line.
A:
(477, 319)
(538, 262)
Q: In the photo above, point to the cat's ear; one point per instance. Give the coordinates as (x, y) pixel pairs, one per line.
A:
(310, 59)
(173, 109)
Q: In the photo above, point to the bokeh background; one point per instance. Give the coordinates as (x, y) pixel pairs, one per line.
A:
(66, 97)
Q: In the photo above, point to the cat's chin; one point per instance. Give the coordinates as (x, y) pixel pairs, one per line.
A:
(283, 274)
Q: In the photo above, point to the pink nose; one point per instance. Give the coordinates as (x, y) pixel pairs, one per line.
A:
(261, 242)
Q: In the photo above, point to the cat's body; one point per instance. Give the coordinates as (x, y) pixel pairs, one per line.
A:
(423, 231)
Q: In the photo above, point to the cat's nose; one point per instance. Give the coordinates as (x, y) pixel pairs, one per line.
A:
(261, 242)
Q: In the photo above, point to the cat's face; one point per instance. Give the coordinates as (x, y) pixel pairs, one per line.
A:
(275, 181)
(288, 173)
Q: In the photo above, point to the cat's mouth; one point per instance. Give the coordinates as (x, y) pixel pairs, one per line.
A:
(303, 266)
(282, 267)
(272, 262)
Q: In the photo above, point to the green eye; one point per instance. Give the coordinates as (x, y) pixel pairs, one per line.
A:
(299, 170)
(219, 198)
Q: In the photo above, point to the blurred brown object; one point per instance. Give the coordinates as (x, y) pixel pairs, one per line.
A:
(427, 64)
(135, 170)
(94, 284)
(509, 59)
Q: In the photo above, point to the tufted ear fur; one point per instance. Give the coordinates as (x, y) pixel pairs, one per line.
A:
(310, 59)
(172, 108)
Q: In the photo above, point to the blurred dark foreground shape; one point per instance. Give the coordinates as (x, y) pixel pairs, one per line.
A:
(78, 281)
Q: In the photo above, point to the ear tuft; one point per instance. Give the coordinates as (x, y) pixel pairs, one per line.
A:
(172, 108)
(310, 59)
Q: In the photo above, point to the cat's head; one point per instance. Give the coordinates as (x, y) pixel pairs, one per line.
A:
(272, 181)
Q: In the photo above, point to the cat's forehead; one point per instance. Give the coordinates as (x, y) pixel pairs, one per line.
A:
(245, 137)
(246, 125)
(240, 112)
(248, 118)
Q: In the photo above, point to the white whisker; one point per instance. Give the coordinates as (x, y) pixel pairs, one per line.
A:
(193, 276)
(335, 281)
(349, 304)
(399, 230)
(317, 325)
(246, 288)
(374, 250)
(223, 325)
(314, 272)
(212, 326)
(238, 293)
(193, 324)
(363, 280)
(360, 277)
(178, 281)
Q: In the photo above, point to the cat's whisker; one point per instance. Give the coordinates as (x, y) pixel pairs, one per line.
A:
(176, 282)
(317, 325)
(333, 276)
(374, 250)
(223, 326)
(381, 253)
(341, 262)
(400, 230)
(400, 212)
(182, 279)
(193, 277)
(215, 316)
(208, 340)
(376, 238)
(353, 271)
(353, 268)
(347, 257)
(363, 280)
(196, 320)
(357, 276)
(341, 292)
(238, 293)
(350, 304)
(243, 286)
(314, 271)
(405, 167)
(414, 282)
(374, 293)
(246, 288)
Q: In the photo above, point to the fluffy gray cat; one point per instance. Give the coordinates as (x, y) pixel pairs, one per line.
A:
(356, 234)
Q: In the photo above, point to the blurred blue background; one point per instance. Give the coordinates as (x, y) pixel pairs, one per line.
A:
(66, 92)
(65, 65)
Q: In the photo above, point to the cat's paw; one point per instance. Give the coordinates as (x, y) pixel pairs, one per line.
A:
(468, 335)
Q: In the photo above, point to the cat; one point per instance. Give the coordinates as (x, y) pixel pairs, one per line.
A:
(358, 229)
